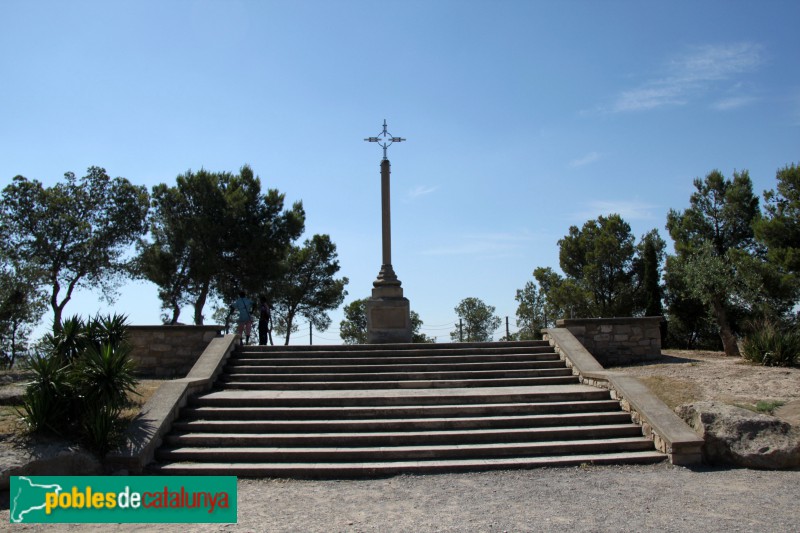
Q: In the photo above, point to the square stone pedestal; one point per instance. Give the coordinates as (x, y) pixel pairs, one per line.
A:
(388, 316)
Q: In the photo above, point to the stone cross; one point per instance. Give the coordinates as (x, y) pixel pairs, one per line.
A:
(384, 139)
(386, 276)
(388, 312)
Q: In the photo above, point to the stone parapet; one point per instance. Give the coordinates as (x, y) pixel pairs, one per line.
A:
(146, 433)
(169, 351)
(669, 433)
(617, 341)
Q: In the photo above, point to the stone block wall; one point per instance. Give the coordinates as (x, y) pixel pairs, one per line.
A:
(617, 341)
(169, 351)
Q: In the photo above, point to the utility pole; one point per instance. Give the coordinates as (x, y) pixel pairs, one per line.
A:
(460, 330)
(310, 334)
(508, 333)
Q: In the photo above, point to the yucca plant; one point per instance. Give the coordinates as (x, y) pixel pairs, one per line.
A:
(69, 340)
(82, 385)
(105, 375)
(100, 428)
(46, 402)
(110, 329)
(772, 345)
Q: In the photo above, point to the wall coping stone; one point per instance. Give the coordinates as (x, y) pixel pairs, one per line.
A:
(566, 322)
(178, 327)
(146, 432)
(669, 432)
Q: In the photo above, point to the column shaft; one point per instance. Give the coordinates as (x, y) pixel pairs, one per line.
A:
(386, 215)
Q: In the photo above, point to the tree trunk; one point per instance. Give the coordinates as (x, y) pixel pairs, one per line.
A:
(57, 309)
(729, 343)
(289, 320)
(176, 311)
(199, 304)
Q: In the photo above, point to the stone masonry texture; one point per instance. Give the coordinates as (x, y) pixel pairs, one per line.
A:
(617, 341)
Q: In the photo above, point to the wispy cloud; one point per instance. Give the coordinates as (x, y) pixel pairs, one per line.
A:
(734, 102)
(589, 158)
(421, 190)
(691, 75)
(627, 209)
(496, 245)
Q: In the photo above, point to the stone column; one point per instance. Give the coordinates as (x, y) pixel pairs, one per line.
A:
(386, 276)
(388, 312)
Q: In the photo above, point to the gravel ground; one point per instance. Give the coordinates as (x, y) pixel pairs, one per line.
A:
(593, 498)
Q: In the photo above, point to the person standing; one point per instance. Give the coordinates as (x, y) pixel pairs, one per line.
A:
(244, 319)
(264, 321)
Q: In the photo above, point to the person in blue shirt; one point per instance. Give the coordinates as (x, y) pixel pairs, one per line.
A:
(244, 319)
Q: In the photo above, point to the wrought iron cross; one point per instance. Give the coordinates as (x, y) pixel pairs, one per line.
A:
(384, 139)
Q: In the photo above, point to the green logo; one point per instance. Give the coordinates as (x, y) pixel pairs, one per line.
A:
(112, 499)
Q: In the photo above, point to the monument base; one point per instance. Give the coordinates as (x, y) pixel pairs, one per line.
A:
(388, 316)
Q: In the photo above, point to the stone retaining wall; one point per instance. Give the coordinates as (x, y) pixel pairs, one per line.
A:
(669, 433)
(617, 341)
(169, 351)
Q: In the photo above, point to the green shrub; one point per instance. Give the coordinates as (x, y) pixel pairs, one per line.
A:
(82, 384)
(105, 375)
(768, 406)
(771, 345)
(100, 428)
(70, 340)
(45, 404)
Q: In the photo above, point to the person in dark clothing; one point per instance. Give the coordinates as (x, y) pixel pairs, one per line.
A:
(264, 321)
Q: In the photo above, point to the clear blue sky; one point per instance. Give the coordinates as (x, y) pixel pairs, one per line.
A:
(522, 118)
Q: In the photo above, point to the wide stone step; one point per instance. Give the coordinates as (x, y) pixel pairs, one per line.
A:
(406, 438)
(395, 424)
(268, 454)
(326, 470)
(251, 366)
(398, 397)
(369, 410)
(401, 384)
(396, 412)
(395, 376)
(314, 360)
(410, 349)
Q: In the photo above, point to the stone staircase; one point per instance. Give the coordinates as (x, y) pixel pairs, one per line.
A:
(367, 410)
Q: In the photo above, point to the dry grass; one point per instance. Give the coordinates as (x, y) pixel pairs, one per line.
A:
(145, 389)
(673, 392)
(11, 424)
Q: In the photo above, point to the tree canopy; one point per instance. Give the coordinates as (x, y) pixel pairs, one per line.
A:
(307, 286)
(531, 312)
(715, 245)
(353, 327)
(604, 275)
(478, 321)
(21, 306)
(779, 229)
(214, 234)
(73, 234)
(599, 257)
